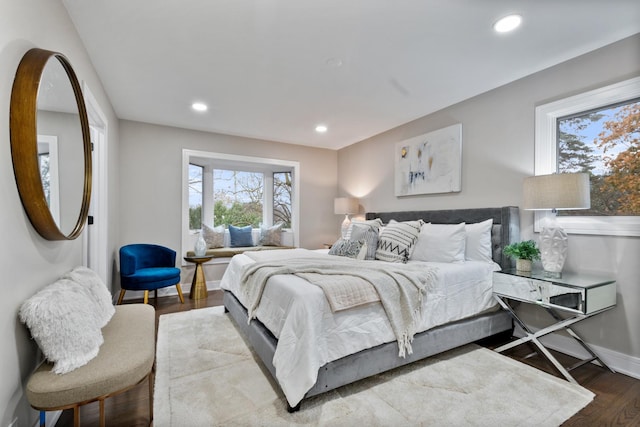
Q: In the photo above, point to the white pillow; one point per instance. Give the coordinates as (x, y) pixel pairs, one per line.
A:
(440, 243)
(479, 241)
(97, 290)
(213, 236)
(62, 320)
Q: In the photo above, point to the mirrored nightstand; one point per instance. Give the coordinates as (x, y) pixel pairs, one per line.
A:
(577, 295)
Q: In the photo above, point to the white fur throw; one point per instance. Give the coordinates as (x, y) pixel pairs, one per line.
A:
(97, 290)
(62, 319)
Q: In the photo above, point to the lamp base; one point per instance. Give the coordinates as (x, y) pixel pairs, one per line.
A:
(554, 247)
(345, 226)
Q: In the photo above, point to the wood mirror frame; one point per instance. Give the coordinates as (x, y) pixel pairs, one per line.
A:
(24, 144)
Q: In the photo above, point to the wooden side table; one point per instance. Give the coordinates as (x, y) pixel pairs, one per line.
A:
(199, 283)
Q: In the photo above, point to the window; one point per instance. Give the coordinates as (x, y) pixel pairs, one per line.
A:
(195, 196)
(239, 190)
(596, 132)
(282, 198)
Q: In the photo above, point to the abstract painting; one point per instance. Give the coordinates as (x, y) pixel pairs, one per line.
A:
(430, 163)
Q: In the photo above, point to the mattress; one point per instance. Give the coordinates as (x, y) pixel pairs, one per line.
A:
(310, 335)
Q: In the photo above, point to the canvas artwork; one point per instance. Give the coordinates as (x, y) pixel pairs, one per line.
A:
(430, 163)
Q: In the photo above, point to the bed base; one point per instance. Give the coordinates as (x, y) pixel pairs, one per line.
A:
(375, 360)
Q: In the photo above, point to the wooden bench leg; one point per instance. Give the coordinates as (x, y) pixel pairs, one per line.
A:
(102, 423)
(76, 416)
(151, 382)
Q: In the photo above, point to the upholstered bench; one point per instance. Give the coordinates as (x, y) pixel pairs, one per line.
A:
(228, 252)
(92, 349)
(125, 359)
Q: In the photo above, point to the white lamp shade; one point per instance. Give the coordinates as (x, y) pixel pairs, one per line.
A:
(345, 205)
(557, 191)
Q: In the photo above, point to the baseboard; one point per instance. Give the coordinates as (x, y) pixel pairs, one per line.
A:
(171, 290)
(619, 362)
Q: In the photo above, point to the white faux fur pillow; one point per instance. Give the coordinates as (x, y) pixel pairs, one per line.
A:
(62, 320)
(100, 296)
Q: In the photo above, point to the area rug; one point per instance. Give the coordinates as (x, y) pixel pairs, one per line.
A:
(207, 376)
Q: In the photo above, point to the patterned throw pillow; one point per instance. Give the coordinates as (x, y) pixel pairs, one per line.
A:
(369, 234)
(241, 236)
(213, 236)
(373, 223)
(349, 248)
(397, 240)
(271, 236)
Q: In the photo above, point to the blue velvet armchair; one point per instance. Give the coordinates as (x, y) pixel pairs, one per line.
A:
(146, 267)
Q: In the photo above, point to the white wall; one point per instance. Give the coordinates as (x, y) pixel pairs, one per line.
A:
(28, 262)
(151, 182)
(498, 153)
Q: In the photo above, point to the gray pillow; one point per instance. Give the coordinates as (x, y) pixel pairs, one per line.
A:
(213, 236)
(347, 248)
(271, 236)
(368, 234)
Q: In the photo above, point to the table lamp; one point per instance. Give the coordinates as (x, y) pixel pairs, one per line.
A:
(555, 192)
(345, 206)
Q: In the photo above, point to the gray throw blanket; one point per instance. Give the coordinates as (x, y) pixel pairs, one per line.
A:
(401, 287)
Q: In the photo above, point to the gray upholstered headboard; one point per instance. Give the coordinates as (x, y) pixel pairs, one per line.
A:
(506, 224)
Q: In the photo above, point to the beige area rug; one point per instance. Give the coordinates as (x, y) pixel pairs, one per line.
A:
(207, 376)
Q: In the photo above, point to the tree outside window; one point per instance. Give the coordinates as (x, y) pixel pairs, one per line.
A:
(282, 198)
(604, 143)
(195, 196)
(238, 197)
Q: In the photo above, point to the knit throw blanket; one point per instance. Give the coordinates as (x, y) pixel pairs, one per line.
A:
(400, 287)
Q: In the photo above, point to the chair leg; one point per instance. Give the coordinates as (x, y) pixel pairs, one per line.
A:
(76, 416)
(121, 297)
(146, 297)
(180, 292)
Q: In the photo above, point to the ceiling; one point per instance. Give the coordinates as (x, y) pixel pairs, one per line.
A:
(274, 69)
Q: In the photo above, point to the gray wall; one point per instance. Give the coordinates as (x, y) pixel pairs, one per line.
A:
(498, 153)
(151, 181)
(27, 261)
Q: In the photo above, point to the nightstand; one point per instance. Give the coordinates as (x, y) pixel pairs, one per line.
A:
(578, 296)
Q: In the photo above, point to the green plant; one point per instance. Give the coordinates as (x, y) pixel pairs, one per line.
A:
(523, 250)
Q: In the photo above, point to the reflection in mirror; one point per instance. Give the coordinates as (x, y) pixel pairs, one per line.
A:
(48, 161)
(57, 115)
(50, 145)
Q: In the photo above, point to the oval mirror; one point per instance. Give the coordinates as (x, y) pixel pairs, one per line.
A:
(50, 145)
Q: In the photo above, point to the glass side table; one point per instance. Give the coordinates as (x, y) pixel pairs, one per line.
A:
(579, 296)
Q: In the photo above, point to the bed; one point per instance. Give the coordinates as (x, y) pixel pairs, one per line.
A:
(338, 348)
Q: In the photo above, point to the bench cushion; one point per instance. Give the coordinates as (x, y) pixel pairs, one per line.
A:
(229, 252)
(125, 358)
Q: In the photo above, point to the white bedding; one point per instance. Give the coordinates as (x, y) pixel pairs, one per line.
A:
(310, 335)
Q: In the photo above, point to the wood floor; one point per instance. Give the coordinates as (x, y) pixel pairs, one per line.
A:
(617, 401)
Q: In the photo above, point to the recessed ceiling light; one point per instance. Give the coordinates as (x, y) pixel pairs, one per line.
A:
(321, 128)
(199, 106)
(334, 62)
(508, 23)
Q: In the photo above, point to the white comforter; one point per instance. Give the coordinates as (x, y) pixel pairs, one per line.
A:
(310, 335)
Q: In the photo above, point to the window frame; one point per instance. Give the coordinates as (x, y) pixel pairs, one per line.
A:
(237, 162)
(546, 117)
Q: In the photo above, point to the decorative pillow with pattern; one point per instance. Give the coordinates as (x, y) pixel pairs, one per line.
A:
(369, 234)
(213, 236)
(397, 240)
(271, 236)
(349, 248)
(374, 223)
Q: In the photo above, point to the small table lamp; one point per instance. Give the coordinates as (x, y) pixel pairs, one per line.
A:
(346, 206)
(553, 192)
